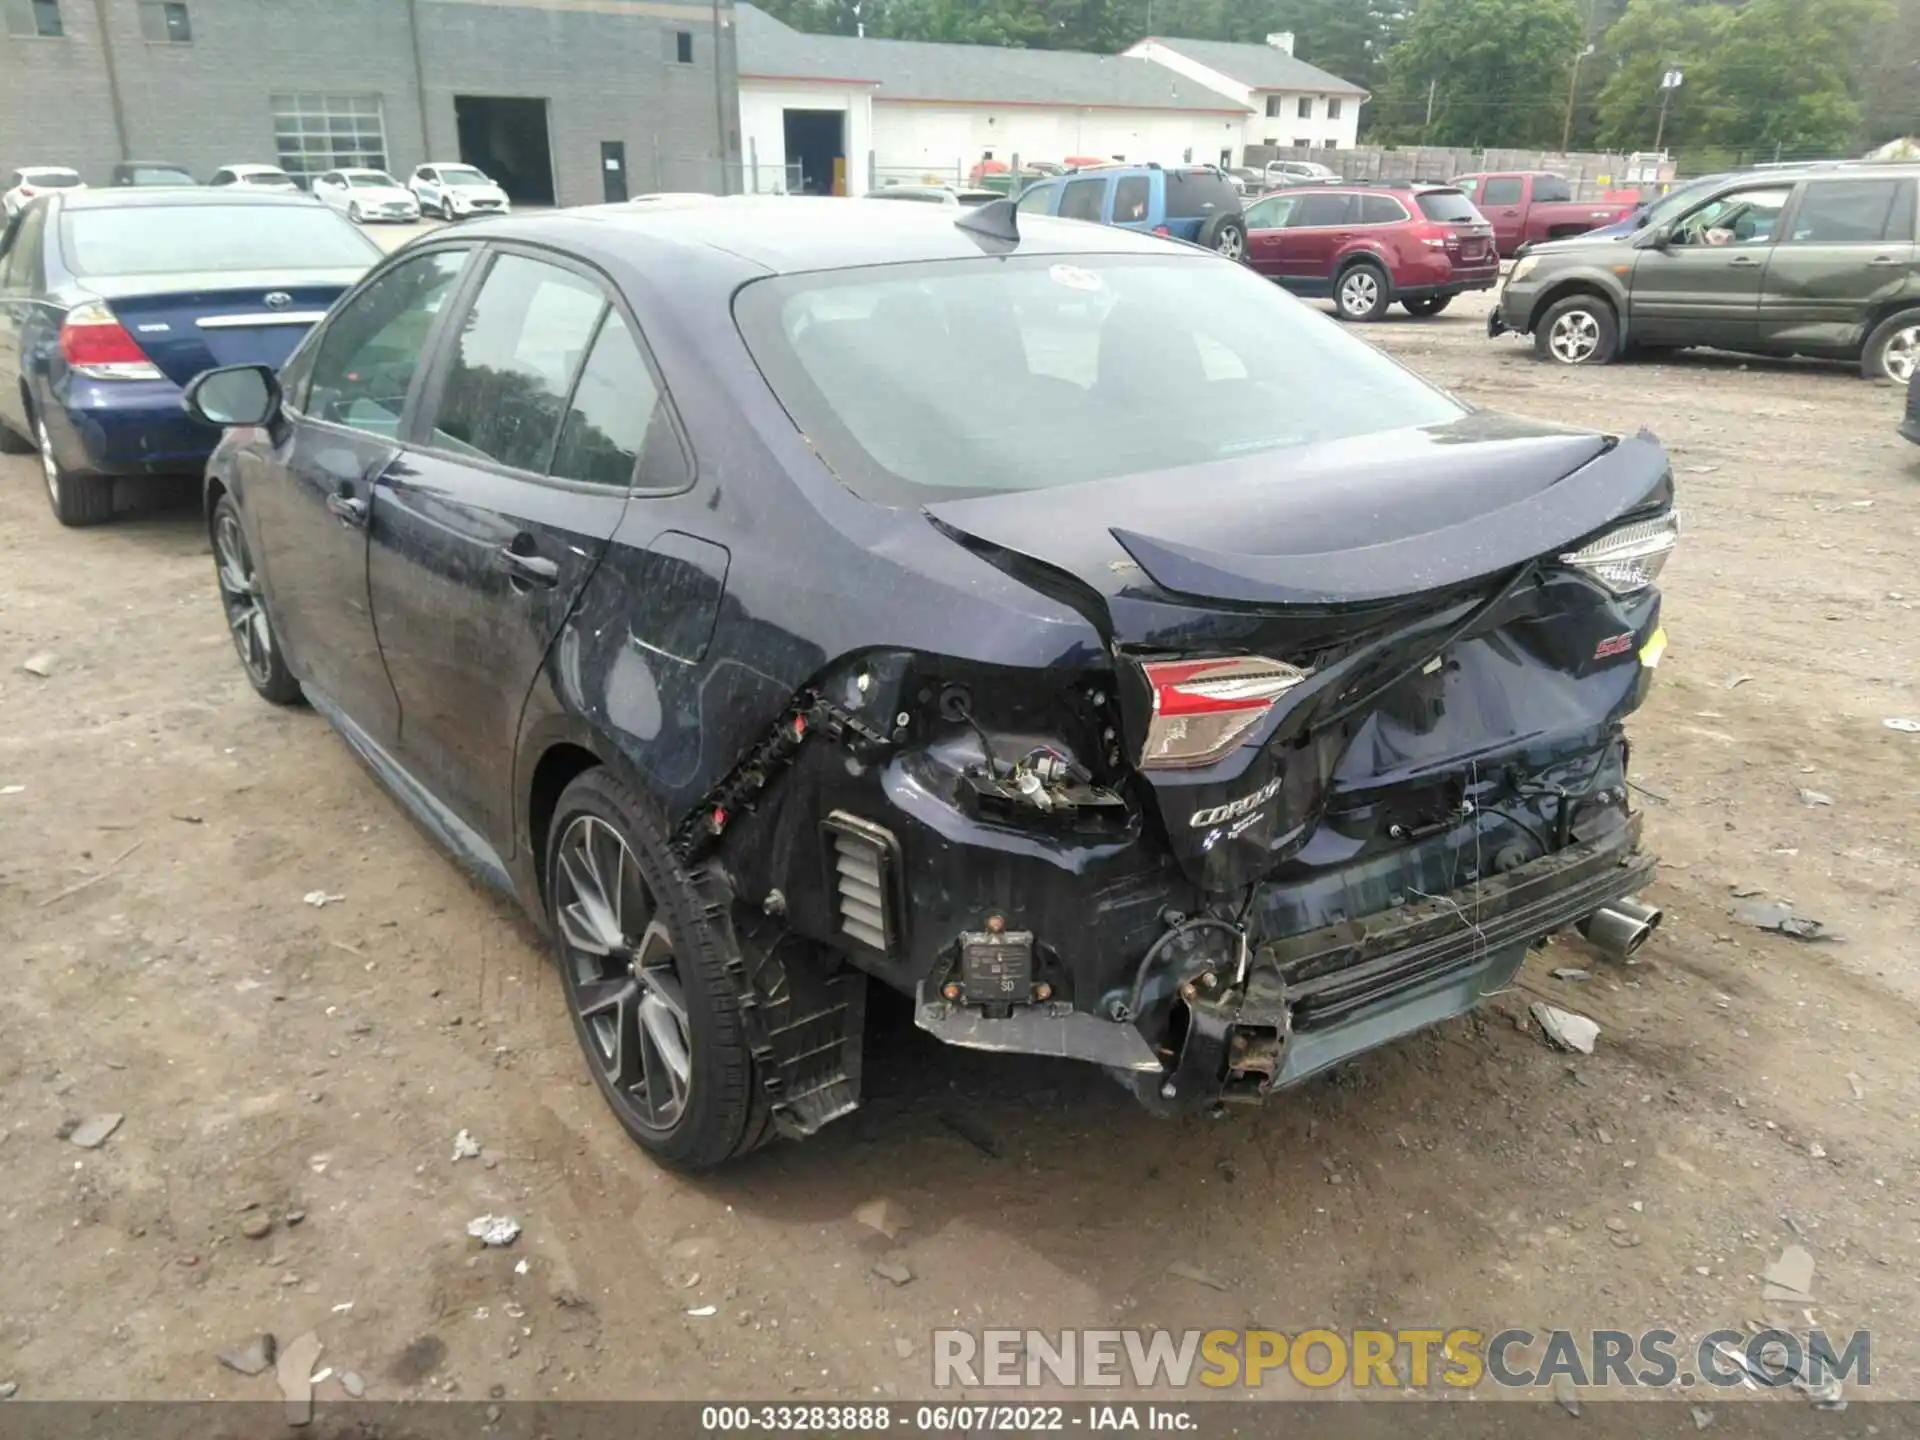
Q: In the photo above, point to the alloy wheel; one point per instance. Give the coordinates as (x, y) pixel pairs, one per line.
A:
(1359, 292)
(1575, 337)
(240, 595)
(622, 976)
(1232, 244)
(1902, 359)
(48, 464)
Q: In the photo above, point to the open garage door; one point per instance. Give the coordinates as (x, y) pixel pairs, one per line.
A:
(507, 138)
(816, 142)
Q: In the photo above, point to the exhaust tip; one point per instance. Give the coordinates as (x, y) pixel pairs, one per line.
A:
(1621, 928)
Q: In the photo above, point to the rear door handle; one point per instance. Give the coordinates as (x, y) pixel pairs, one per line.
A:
(351, 509)
(527, 569)
(1883, 260)
(1743, 260)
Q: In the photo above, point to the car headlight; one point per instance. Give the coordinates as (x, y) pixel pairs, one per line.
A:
(1523, 268)
(1631, 557)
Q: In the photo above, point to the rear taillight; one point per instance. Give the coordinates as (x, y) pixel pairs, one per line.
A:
(96, 345)
(1631, 557)
(1203, 708)
(1438, 236)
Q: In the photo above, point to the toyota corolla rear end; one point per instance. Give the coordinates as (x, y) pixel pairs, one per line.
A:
(1345, 733)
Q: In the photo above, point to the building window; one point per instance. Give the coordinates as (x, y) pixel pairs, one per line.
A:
(35, 17)
(1273, 105)
(1302, 144)
(1330, 145)
(1272, 140)
(315, 133)
(165, 23)
(683, 46)
(1305, 110)
(1333, 109)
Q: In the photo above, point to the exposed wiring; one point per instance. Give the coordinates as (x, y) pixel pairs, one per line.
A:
(1203, 922)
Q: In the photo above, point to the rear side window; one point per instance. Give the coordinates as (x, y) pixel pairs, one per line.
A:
(1502, 190)
(1082, 199)
(1199, 195)
(1131, 198)
(614, 406)
(1381, 210)
(512, 368)
(1840, 212)
(1316, 210)
(1550, 190)
(1449, 207)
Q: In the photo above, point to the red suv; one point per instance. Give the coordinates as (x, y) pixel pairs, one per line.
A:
(1370, 245)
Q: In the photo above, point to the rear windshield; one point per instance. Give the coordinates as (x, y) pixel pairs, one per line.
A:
(1450, 207)
(266, 177)
(156, 175)
(50, 179)
(161, 240)
(1197, 194)
(919, 383)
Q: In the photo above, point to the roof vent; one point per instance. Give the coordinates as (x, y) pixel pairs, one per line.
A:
(1281, 40)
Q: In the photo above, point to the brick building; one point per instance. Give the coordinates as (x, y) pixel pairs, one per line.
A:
(567, 101)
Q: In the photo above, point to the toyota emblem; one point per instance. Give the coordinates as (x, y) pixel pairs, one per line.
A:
(279, 300)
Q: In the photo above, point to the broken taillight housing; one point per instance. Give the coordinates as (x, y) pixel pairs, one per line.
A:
(1203, 708)
(1631, 557)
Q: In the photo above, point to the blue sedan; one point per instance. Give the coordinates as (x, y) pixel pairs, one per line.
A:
(112, 300)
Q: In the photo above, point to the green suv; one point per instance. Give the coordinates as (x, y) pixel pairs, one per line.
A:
(1778, 262)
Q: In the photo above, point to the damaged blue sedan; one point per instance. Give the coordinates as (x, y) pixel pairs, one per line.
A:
(1060, 626)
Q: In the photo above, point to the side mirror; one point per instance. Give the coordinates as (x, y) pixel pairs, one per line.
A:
(234, 395)
(1658, 237)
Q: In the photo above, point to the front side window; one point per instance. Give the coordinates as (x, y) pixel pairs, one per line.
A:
(1503, 190)
(1746, 217)
(1314, 211)
(1082, 199)
(1851, 212)
(902, 376)
(512, 368)
(615, 407)
(365, 358)
(1035, 199)
(1270, 213)
(164, 22)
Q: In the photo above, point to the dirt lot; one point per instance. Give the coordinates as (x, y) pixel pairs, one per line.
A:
(159, 828)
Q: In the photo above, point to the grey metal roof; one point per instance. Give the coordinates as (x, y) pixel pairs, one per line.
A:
(970, 74)
(1261, 67)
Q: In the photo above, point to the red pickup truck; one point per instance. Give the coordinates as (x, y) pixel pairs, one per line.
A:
(1528, 206)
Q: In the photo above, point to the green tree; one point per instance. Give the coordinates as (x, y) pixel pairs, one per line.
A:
(1496, 71)
(1653, 37)
(1783, 77)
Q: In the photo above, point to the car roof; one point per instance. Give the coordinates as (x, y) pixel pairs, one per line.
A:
(254, 169)
(1790, 174)
(361, 170)
(45, 170)
(131, 197)
(792, 234)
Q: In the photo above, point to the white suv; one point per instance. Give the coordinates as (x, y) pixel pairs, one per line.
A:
(455, 191)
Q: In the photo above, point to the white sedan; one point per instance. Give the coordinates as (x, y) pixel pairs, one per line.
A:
(454, 191)
(366, 195)
(254, 177)
(24, 184)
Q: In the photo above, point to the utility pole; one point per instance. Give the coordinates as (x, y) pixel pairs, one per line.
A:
(1432, 85)
(113, 79)
(1573, 88)
(1669, 82)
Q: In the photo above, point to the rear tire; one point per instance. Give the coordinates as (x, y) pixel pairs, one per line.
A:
(1226, 236)
(1432, 305)
(1893, 350)
(644, 973)
(1579, 330)
(76, 499)
(1362, 292)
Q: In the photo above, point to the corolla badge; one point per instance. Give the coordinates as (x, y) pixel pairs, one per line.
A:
(1233, 809)
(278, 300)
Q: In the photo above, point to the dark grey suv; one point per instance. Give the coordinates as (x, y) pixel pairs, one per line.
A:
(1819, 262)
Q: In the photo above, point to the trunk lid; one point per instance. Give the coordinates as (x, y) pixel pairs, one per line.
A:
(191, 323)
(1382, 566)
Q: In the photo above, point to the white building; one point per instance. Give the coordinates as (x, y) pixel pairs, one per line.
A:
(1289, 102)
(813, 107)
